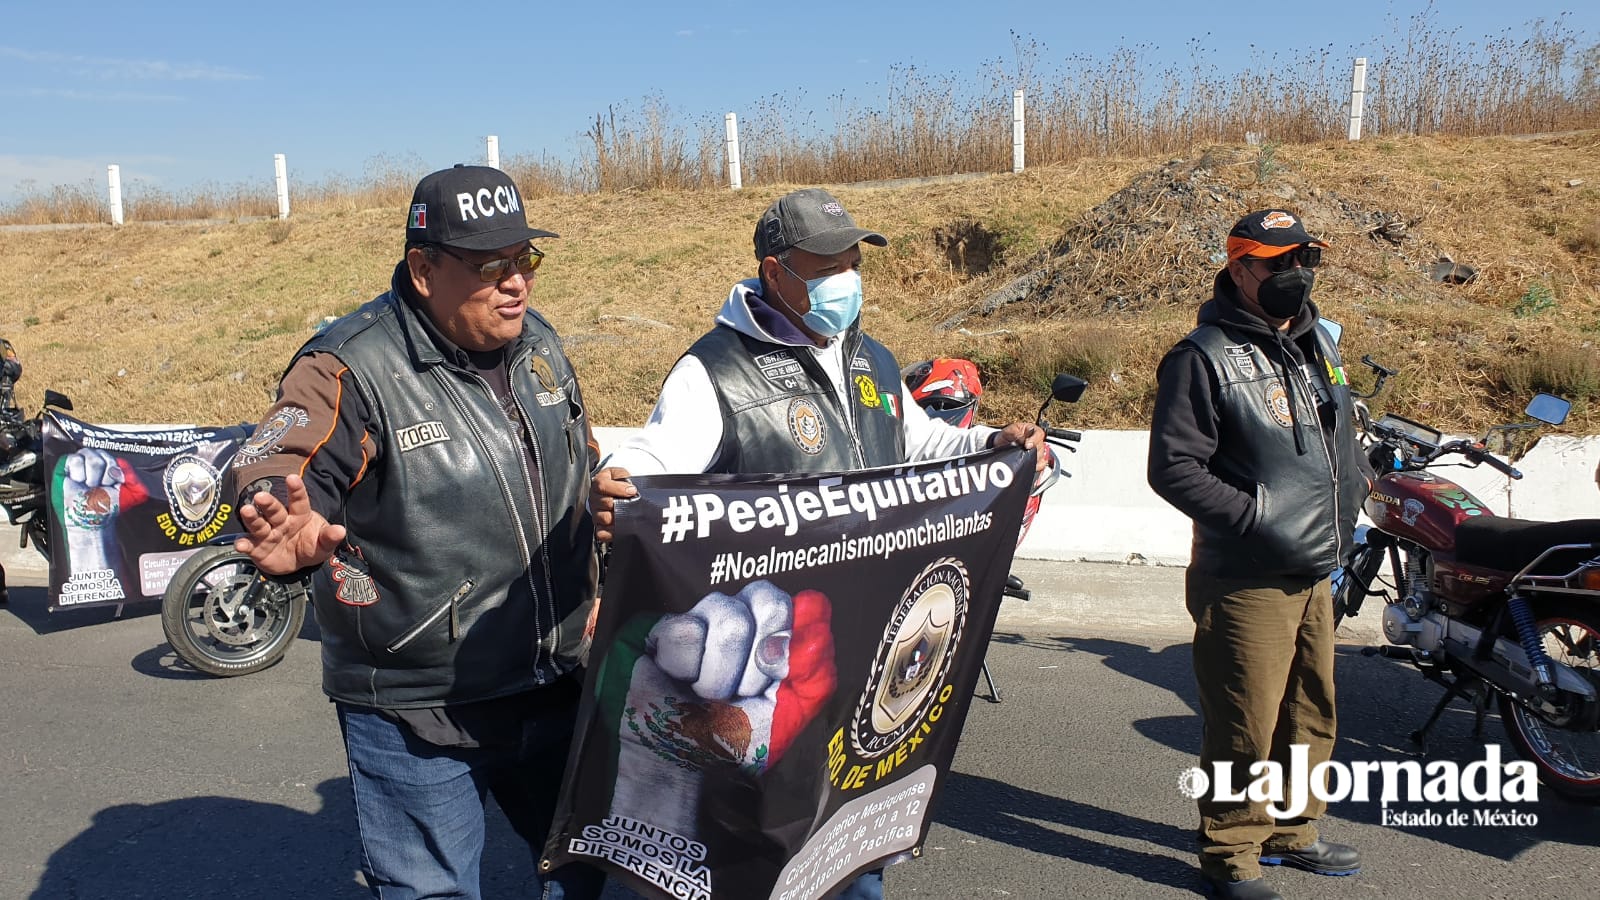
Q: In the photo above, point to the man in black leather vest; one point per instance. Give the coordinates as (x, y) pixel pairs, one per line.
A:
(1253, 438)
(788, 382)
(429, 455)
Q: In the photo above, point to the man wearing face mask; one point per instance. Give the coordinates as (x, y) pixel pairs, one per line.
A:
(1253, 438)
(787, 382)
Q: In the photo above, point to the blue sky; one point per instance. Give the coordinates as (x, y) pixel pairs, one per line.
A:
(182, 95)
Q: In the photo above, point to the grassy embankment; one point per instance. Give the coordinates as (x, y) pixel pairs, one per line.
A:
(192, 323)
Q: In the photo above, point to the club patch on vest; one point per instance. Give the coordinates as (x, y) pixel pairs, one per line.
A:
(1278, 405)
(420, 435)
(860, 364)
(867, 390)
(269, 437)
(1240, 356)
(805, 426)
(780, 368)
(540, 367)
(890, 404)
(352, 579)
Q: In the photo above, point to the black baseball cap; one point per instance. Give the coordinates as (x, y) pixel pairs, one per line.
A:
(470, 207)
(1267, 233)
(812, 220)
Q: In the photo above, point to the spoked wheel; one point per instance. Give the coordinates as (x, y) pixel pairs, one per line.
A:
(224, 618)
(1563, 739)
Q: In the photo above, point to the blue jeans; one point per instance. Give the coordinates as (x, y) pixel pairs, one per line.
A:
(867, 886)
(420, 808)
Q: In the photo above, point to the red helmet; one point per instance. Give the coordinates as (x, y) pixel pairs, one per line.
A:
(947, 388)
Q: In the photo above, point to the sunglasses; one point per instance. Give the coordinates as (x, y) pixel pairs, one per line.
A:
(1307, 256)
(497, 270)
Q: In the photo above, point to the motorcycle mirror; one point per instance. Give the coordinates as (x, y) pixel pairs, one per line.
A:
(59, 401)
(1549, 409)
(1067, 388)
(1334, 329)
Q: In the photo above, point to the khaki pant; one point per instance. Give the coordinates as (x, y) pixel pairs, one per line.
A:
(1263, 661)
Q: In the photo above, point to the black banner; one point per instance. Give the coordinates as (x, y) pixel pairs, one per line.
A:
(128, 507)
(781, 671)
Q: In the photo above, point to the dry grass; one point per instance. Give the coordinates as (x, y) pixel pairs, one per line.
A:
(193, 323)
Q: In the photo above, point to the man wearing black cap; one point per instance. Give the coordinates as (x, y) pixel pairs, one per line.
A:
(787, 381)
(1253, 438)
(428, 454)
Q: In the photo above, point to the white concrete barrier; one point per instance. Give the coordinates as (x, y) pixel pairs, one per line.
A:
(1106, 511)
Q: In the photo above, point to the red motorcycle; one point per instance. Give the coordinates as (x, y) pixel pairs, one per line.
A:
(1485, 606)
(948, 389)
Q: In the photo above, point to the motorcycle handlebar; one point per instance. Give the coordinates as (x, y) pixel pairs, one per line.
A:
(1064, 434)
(1476, 454)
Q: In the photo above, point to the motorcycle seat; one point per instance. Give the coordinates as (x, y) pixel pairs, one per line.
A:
(1507, 544)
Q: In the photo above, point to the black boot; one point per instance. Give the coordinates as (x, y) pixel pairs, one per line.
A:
(1323, 858)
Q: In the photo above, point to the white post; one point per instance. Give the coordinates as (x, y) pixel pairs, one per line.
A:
(281, 170)
(735, 178)
(492, 150)
(114, 191)
(1358, 94)
(1018, 137)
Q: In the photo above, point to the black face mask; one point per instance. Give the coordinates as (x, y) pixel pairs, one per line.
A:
(1283, 295)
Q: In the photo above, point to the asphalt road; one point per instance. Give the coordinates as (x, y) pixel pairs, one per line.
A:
(123, 775)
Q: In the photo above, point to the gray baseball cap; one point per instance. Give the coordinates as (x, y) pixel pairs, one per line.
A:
(812, 220)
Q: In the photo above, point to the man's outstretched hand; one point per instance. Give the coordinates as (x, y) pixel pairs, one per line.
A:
(281, 539)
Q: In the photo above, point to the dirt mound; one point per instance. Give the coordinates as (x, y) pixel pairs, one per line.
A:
(1158, 240)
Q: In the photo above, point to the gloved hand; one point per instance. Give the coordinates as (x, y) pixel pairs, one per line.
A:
(730, 682)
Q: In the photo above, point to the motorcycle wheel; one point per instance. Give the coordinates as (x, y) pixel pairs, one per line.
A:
(1565, 749)
(222, 617)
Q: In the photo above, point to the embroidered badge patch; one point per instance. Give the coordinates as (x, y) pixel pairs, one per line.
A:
(540, 367)
(780, 368)
(867, 390)
(1277, 219)
(420, 435)
(805, 426)
(1240, 356)
(269, 437)
(860, 364)
(891, 404)
(352, 579)
(1278, 405)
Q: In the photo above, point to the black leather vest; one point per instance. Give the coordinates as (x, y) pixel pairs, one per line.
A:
(780, 412)
(1306, 502)
(474, 576)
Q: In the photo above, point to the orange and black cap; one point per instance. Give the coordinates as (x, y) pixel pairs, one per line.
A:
(1267, 233)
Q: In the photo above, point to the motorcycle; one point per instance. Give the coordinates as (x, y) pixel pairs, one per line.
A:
(948, 389)
(1488, 607)
(219, 613)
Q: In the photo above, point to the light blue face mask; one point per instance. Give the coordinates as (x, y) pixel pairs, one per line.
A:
(835, 301)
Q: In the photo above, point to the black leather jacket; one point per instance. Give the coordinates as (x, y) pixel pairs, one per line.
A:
(1253, 438)
(467, 574)
(780, 412)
